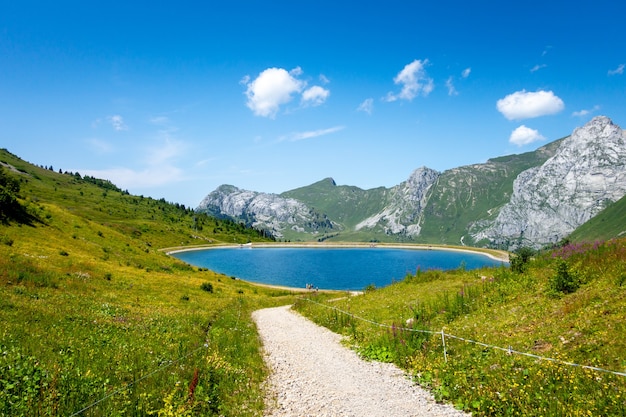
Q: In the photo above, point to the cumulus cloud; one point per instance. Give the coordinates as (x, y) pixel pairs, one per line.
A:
(366, 106)
(117, 122)
(617, 71)
(312, 133)
(524, 135)
(526, 105)
(414, 80)
(271, 89)
(585, 112)
(466, 72)
(315, 95)
(275, 87)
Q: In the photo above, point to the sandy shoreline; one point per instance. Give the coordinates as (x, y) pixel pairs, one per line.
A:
(498, 255)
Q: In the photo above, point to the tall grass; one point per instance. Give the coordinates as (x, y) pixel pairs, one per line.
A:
(530, 312)
(97, 321)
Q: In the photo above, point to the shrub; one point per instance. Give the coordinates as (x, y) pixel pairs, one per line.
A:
(521, 258)
(6, 240)
(564, 282)
(206, 286)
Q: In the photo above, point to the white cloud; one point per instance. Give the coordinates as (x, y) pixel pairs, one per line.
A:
(271, 89)
(450, 85)
(158, 168)
(537, 67)
(312, 133)
(617, 71)
(414, 81)
(117, 122)
(315, 95)
(366, 106)
(524, 135)
(585, 112)
(466, 72)
(324, 79)
(525, 105)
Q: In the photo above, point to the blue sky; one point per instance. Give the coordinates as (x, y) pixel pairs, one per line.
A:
(172, 99)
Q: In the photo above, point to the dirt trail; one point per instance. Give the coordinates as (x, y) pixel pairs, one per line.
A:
(314, 375)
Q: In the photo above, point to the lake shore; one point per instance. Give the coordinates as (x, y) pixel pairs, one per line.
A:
(498, 255)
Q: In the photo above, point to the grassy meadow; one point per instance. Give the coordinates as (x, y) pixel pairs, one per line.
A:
(98, 321)
(567, 304)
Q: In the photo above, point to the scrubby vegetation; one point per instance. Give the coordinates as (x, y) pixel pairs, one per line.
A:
(567, 304)
(97, 321)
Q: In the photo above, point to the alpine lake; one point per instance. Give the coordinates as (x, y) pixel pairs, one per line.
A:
(330, 268)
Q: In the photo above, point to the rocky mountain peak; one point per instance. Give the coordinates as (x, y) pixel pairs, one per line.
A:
(587, 173)
(535, 198)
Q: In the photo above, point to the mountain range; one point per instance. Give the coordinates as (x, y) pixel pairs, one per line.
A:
(532, 199)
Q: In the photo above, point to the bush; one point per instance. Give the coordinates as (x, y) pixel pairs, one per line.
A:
(564, 282)
(521, 258)
(206, 286)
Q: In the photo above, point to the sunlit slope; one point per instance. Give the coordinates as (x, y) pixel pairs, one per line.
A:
(94, 315)
(608, 224)
(540, 338)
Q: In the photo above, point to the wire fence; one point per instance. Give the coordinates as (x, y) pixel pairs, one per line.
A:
(157, 370)
(445, 335)
(130, 384)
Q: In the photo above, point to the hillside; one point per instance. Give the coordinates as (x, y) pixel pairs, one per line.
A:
(97, 320)
(540, 338)
(534, 199)
(95, 315)
(610, 223)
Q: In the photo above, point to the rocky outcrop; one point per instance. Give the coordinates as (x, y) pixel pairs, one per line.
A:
(550, 201)
(265, 211)
(403, 213)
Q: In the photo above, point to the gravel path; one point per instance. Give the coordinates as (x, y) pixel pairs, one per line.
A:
(314, 375)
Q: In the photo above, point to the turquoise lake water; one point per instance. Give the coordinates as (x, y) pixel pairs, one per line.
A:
(329, 268)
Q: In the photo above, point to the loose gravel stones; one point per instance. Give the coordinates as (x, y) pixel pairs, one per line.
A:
(313, 374)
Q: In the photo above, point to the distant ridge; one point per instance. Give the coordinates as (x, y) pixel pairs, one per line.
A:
(533, 199)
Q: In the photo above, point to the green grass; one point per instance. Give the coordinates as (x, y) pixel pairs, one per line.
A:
(610, 223)
(95, 316)
(529, 312)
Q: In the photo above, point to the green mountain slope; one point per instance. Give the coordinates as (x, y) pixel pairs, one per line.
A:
(469, 194)
(95, 316)
(608, 224)
(460, 198)
(347, 205)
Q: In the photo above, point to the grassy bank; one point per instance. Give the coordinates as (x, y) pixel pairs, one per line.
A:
(97, 321)
(567, 305)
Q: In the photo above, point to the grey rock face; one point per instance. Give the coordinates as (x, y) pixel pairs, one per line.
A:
(556, 189)
(403, 213)
(552, 200)
(263, 210)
